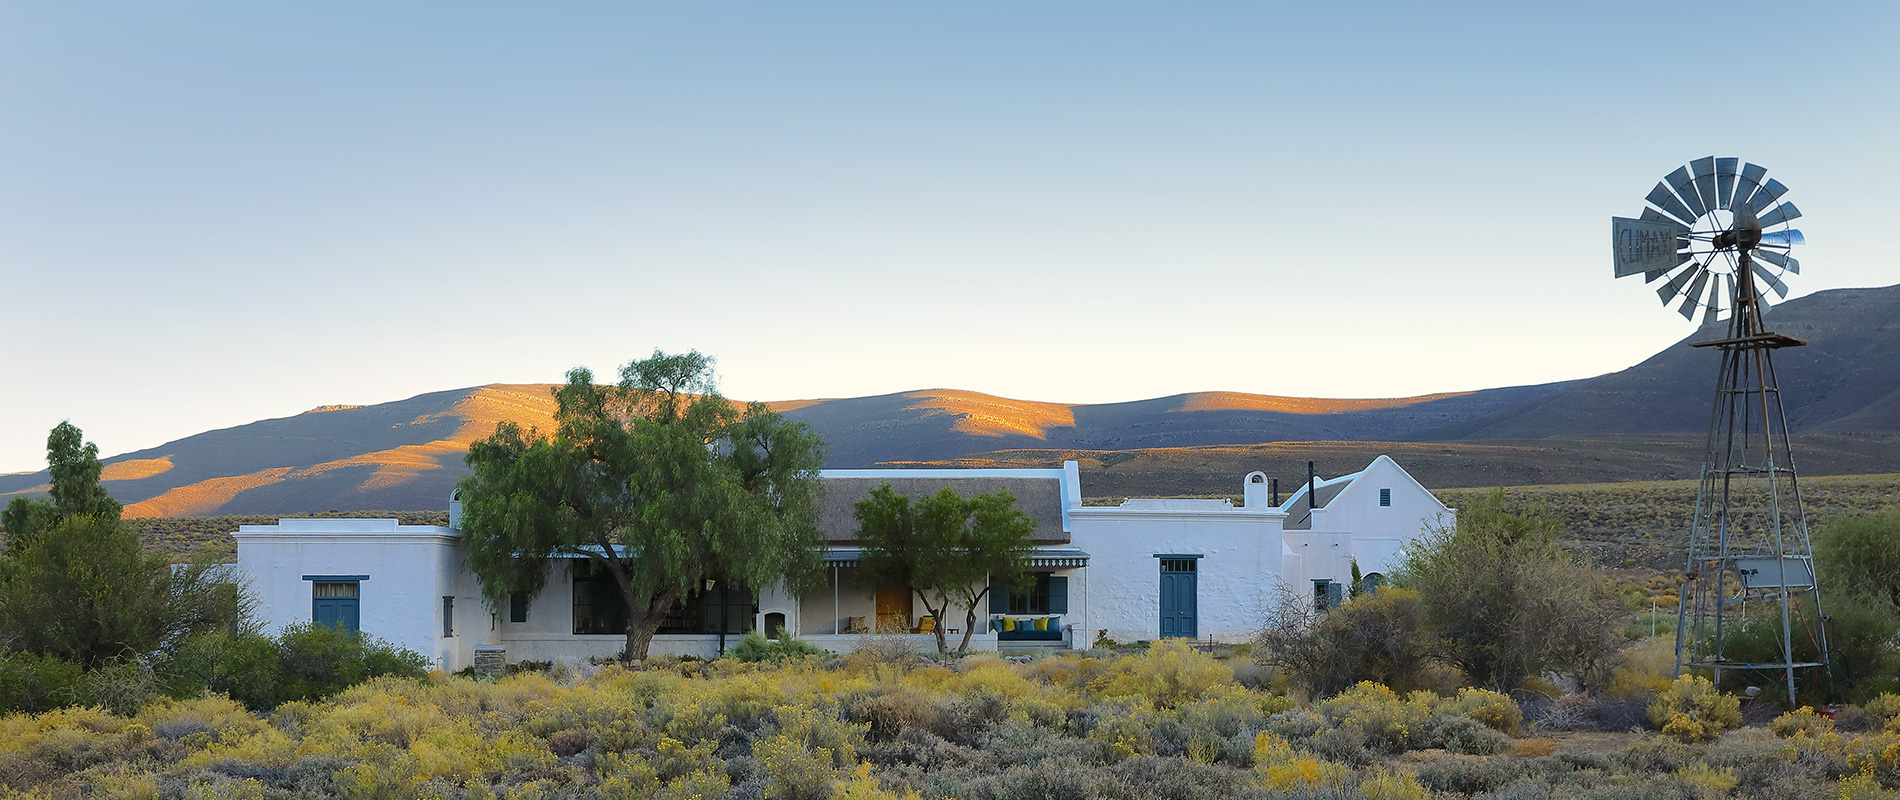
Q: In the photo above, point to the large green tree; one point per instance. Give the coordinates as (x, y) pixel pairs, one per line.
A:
(949, 549)
(74, 583)
(658, 480)
(1508, 601)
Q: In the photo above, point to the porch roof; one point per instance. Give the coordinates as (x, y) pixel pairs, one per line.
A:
(1042, 557)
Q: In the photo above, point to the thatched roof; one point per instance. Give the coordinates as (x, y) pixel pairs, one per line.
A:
(1039, 498)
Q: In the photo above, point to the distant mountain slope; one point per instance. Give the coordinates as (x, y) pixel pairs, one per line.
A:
(946, 423)
(1846, 381)
(407, 454)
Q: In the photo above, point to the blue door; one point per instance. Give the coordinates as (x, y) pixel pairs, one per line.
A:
(1179, 598)
(336, 604)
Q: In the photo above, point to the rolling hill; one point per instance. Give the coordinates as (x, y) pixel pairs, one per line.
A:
(1642, 423)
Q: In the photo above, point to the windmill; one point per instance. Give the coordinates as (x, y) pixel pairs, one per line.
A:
(1711, 237)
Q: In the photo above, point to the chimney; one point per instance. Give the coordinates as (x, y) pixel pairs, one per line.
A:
(1312, 500)
(1273, 488)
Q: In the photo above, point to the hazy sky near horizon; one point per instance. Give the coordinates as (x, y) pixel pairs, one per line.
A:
(213, 213)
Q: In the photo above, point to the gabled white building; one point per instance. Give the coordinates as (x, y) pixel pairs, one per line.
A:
(1141, 570)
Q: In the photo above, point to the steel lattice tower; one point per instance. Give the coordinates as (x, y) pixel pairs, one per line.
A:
(1749, 542)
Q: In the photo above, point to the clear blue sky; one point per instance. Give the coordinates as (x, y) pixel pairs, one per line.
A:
(213, 213)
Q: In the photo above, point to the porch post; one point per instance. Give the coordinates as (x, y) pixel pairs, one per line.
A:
(834, 599)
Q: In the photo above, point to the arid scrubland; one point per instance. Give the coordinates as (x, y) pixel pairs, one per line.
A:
(1168, 722)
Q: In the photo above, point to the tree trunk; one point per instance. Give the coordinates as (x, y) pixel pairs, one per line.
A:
(936, 617)
(639, 640)
(643, 621)
(969, 621)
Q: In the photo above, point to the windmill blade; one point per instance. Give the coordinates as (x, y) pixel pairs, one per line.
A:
(1774, 281)
(1683, 184)
(1780, 260)
(1787, 238)
(1750, 183)
(1682, 258)
(1725, 181)
(1782, 213)
(1666, 200)
(1652, 215)
(1693, 297)
(1705, 182)
(1767, 195)
(1715, 299)
(1669, 290)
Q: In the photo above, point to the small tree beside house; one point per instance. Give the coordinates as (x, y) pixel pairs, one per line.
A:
(948, 549)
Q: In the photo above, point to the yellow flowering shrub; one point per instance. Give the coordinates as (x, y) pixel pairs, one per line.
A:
(1695, 710)
(861, 786)
(1386, 720)
(1172, 672)
(1706, 782)
(1402, 785)
(1863, 786)
(1278, 768)
(1801, 721)
(1877, 755)
(1496, 711)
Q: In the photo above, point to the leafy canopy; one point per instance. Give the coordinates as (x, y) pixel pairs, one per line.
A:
(947, 548)
(1507, 600)
(75, 585)
(658, 480)
(75, 468)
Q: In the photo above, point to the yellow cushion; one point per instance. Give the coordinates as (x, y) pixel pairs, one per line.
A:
(1009, 624)
(1042, 623)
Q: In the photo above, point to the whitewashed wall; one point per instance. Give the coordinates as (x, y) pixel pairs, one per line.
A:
(409, 569)
(1380, 533)
(1119, 591)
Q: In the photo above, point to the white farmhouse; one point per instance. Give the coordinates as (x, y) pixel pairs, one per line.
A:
(1142, 570)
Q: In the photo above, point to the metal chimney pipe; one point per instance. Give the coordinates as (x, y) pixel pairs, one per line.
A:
(1273, 489)
(1312, 500)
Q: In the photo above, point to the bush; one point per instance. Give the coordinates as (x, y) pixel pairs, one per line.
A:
(1498, 712)
(753, 647)
(1384, 638)
(1169, 674)
(1507, 600)
(1278, 768)
(1692, 710)
(35, 683)
(1885, 708)
(1801, 721)
(1463, 735)
(320, 660)
(1388, 722)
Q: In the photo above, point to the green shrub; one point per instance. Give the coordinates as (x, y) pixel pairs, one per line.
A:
(1463, 735)
(1801, 721)
(1468, 775)
(1498, 712)
(1388, 721)
(320, 660)
(32, 683)
(306, 661)
(1884, 707)
(1692, 710)
(753, 647)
